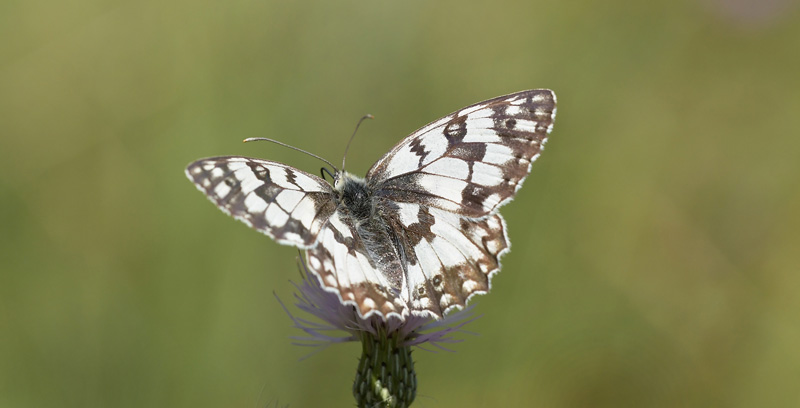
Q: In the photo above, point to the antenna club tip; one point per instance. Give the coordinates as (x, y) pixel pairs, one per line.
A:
(369, 116)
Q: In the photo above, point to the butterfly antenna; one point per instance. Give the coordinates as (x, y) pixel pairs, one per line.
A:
(265, 139)
(367, 116)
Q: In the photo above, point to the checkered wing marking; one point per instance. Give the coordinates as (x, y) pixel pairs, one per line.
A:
(287, 204)
(345, 267)
(449, 257)
(472, 161)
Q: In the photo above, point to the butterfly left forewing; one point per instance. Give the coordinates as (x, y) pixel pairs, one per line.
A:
(472, 161)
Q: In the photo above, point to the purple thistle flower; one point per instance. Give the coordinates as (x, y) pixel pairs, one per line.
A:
(385, 376)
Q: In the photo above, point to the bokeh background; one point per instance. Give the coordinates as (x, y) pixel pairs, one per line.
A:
(655, 245)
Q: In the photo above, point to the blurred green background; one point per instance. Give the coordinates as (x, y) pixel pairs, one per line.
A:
(655, 245)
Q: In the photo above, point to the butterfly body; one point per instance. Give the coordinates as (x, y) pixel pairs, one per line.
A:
(421, 233)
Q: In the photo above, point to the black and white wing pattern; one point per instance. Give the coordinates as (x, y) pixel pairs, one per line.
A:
(421, 234)
(288, 205)
(437, 192)
(472, 161)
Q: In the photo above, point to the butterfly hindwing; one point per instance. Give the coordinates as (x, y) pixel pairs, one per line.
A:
(344, 265)
(472, 161)
(448, 258)
(287, 204)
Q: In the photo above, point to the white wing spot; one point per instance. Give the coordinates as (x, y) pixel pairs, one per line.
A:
(513, 110)
(368, 304)
(305, 212)
(314, 262)
(222, 190)
(278, 176)
(441, 186)
(486, 174)
(448, 166)
(234, 165)
(469, 287)
(497, 154)
(492, 200)
(291, 236)
(493, 245)
(248, 182)
(340, 226)
(526, 125)
(408, 213)
(448, 231)
(446, 300)
(448, 254)
(330, 280)
(305, 182)
(482, 135)
(416, 280)
(288, 199)
(435, 145)
(275, 216)
(255, 204)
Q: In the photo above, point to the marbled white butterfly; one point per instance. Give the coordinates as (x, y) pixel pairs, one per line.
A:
(421, 233)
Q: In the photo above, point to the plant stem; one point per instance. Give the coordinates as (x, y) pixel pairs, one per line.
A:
(385, 377)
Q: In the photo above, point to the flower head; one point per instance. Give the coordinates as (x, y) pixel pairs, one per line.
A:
(385, 375)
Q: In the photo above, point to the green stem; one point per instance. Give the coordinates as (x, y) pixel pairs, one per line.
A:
(385, 376)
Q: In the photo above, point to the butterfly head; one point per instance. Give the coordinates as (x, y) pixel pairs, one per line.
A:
(341, 178)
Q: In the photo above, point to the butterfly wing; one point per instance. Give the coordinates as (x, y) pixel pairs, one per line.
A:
(289, 205)
(472, 161)
(441, 187)
(448, 258)
(435, 261)
(345, 266)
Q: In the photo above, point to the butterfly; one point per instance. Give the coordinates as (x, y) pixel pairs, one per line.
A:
(421, 233)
